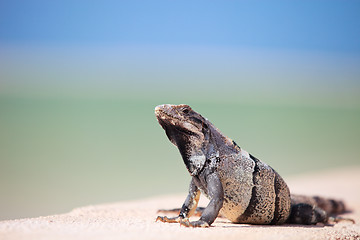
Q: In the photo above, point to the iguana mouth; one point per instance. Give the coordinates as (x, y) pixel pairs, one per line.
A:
(167, 115)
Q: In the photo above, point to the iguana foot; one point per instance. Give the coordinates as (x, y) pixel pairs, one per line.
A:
(168, 220)
(186, 223)
(176, 211)
(340, 219)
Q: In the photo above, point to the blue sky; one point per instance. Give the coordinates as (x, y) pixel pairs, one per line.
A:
(331, 26)
(282, 46)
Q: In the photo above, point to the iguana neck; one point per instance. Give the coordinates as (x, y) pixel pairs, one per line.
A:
(221, 144)
(215, 145)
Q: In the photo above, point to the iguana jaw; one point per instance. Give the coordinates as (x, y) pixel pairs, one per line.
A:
(173, 115)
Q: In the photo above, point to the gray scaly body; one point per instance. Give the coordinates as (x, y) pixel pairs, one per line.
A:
(240, 187)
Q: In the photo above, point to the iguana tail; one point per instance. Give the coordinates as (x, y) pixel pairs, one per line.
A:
(330, 206)
(314, 209)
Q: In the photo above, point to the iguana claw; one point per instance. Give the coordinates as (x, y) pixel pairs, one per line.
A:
(168, 220)
(340, 219)
(186, 223)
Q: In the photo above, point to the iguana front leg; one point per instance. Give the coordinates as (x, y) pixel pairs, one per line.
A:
(216, 194)
(188, 208)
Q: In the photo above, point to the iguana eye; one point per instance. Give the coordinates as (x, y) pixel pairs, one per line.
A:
(185, 110)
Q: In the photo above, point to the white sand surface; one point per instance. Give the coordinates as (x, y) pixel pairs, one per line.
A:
(136, 219)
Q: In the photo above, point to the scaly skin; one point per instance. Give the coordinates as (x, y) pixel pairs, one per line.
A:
(240, 187)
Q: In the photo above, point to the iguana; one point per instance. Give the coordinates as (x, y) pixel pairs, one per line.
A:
(240, 187)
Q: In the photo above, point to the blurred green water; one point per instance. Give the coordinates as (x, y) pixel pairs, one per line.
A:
(57, 153)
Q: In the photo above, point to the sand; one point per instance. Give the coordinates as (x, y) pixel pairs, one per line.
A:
(136, 219)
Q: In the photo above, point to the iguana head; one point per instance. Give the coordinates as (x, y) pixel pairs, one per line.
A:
(187, 130)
